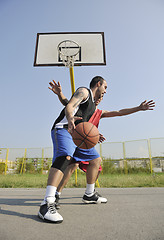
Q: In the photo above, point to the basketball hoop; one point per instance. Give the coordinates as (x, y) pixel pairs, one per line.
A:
(68, 50)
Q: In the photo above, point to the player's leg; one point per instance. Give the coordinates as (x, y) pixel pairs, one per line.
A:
(67, 174)
(90, 195)
(94, 160)
(47, 210)
(83, 166)
(99, 171)
(63, 151)
(92, 170)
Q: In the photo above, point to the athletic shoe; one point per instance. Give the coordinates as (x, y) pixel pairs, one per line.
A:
(48, 211)
(57, 204)
(95, 198)
(103, 200)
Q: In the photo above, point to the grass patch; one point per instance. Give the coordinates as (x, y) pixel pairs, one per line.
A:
(132, 180)
(23, 181)
(105, 180)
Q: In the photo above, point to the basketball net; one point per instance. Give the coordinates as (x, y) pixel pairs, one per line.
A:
(68, 50)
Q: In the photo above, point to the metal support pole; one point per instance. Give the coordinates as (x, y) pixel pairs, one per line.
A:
(150, 157)
(72, 79)
(125, 161)
(73, 90)
(42, 160)
(23, 162)
(7, 154)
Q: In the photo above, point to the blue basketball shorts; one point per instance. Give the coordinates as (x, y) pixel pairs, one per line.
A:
(63, 145)
(85, 155)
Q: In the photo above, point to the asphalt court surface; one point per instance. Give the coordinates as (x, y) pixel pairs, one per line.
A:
(129, 214)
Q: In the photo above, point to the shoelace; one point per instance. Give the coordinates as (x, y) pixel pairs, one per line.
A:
(51, 208)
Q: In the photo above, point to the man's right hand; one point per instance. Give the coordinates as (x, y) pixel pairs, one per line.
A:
(71, 123)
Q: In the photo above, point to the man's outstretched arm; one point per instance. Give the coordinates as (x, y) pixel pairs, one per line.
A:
(142, 107)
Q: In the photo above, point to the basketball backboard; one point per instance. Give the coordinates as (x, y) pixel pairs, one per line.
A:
(91, 48)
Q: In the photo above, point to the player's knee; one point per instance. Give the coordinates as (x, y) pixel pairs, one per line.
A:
(96, 161)
(72, 167)
(61, 163)
(99, 160)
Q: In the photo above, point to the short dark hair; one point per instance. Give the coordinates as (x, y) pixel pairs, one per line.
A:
(95, 80)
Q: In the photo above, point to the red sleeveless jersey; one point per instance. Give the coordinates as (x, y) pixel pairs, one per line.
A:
(96, 117)
(95, 120)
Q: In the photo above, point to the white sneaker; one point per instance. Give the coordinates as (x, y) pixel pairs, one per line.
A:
(102, 199)
(95, 198)
(48, 212)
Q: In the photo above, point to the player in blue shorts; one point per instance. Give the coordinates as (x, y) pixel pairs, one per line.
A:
(81, 159)
(80, 108)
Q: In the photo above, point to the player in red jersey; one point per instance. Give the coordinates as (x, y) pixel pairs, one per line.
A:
(95, 118)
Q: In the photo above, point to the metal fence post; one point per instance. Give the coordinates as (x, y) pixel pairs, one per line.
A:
(7, 154)
(76, 177)
(22, 167)
(101, 150)
(150, 157)
(42, 160)
(125, 161)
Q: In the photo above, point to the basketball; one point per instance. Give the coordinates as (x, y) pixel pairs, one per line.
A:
(85, 135)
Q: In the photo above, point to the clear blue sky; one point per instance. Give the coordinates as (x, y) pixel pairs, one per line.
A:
(134, 39)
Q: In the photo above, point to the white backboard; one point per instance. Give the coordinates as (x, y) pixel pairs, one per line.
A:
(92, 48)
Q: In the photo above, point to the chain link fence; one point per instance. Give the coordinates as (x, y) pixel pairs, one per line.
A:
(146, 155)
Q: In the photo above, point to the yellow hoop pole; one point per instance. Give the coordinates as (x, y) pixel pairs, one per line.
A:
(73, 90)
(72, 79)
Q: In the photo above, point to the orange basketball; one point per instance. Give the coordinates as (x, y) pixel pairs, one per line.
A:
(85, 135)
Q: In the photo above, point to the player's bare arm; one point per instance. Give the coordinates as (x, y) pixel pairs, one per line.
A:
(79, 96)
(142, 107)
(57, 89)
